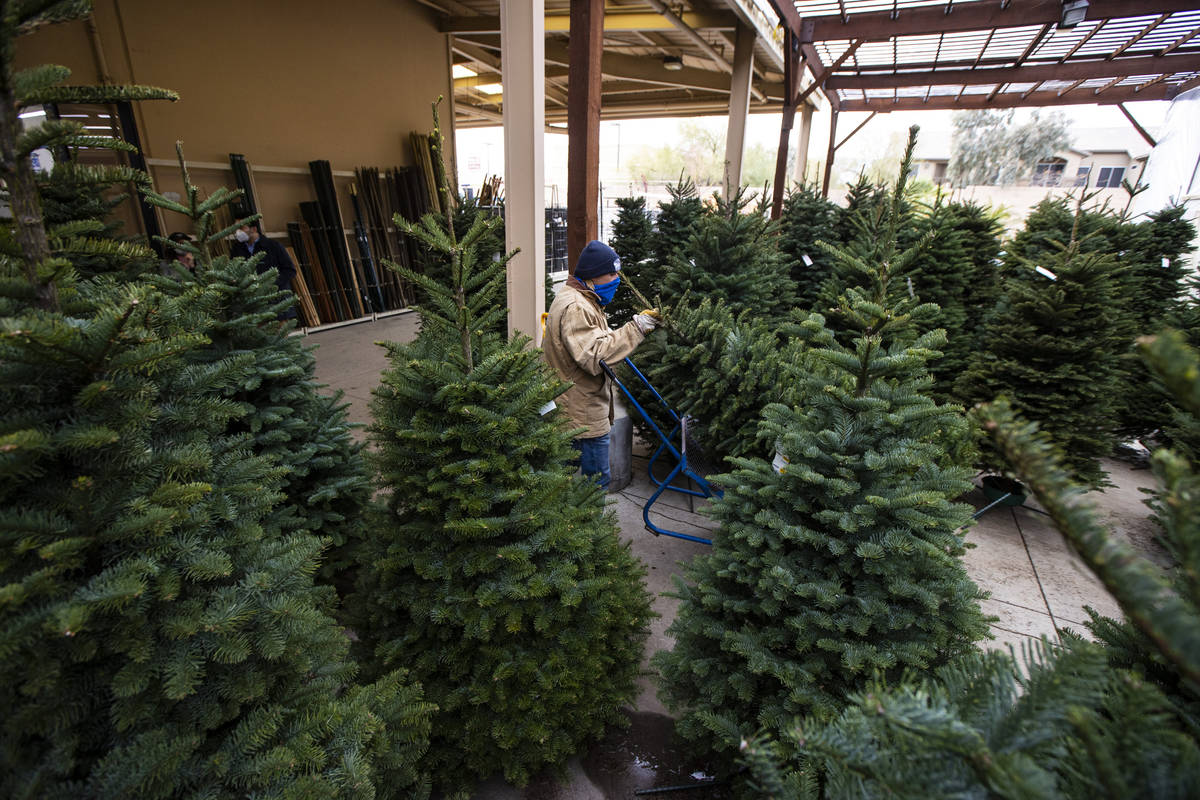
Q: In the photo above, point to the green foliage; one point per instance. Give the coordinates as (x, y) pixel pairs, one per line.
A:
(325, 486)
(846, 560)
(718, 369)
(1064, 726)
(1053, 348)
(807, 218)
(676, 219)
(161, 633)
(1154, 253)
(941, 276)
(1080, 720)
(733, 256)
(493, 573)
(980, 230)
(632, 238)
(863, 199)
(988, 148)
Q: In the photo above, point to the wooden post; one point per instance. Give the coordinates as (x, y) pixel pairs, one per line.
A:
(791, 80)
(785, 133)
(830, 153)
(583, 125)
(739, 107)
(522, 42)
(801, 173)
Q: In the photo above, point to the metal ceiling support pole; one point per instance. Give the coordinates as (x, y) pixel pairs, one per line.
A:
(739, 107)
(583, 125)
(806, 114)
(522, 36)
(830, 153)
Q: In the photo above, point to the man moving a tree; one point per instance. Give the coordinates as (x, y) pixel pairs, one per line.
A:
(578, 338)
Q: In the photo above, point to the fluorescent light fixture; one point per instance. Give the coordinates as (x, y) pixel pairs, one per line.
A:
(673, 63)
(1045, 273)
(491, 88)
(37, 112)
(462, 71)
(1073, 13)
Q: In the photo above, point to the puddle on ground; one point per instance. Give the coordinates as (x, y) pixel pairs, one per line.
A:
(647, 755)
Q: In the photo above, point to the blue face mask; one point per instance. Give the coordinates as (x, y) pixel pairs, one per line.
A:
(607, 291)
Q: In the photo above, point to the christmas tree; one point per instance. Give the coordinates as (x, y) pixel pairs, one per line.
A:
(1111, 719)
(676, 221)
(494, 571)
(841, 559)
(1052, 346)
(325, 486)
(863, 200)
(1082, 720)
(719, 370)
(632, 238)
(979, 229)
(161, 638)
(733, 256)
(941, 275)
(1154, 254)
(865, 229)
(807, 218)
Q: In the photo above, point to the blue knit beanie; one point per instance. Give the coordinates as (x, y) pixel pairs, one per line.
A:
(595, 260)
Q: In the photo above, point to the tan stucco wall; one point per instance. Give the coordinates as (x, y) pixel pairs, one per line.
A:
(283, 82)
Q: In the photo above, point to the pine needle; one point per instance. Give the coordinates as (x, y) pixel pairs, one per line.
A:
(662, 312)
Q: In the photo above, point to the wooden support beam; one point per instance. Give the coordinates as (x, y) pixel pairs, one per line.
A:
(739, 107)
(820, 79)
(850, 135)
(1074, 70)
(793, 69)
(583, 126)
(522, 40)
(1137, 126)
(785, 135)
(1121, 94)
(613, 23)
(830, 153)
(1087, 38)
(1141, 35)
(978, 15)
(690, 32)
(1180, 42)
(645, 69)
(801, 171)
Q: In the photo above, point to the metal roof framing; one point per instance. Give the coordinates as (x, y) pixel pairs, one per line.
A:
(942, 54)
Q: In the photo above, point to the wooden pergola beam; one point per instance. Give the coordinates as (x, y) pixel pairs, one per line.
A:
(1137, 125)
(625, 21)
(1122, 94)
(976, 15)
(583, 126)
(1071, 71)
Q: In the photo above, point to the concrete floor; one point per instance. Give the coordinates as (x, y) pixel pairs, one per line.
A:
(1037, 585)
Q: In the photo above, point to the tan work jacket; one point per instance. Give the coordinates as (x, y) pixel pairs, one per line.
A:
(577, 339)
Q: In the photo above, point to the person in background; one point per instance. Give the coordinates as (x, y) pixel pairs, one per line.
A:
(177, 259)
(250, 241)
(578, 338)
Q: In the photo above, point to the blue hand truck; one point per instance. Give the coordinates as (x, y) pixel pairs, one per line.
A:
(666, 447)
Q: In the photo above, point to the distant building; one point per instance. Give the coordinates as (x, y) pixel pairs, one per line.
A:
(1100, 158)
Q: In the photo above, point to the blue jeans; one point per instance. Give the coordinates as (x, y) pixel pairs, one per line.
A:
(593, 458)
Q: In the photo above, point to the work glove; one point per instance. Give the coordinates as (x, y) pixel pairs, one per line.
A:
(647, 319)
